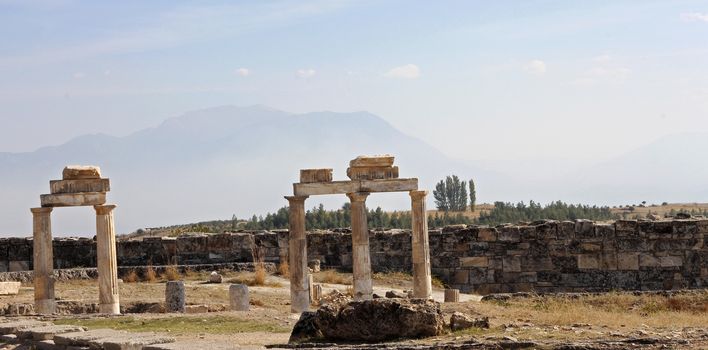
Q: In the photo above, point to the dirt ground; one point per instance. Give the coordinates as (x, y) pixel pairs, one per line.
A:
(681, 319)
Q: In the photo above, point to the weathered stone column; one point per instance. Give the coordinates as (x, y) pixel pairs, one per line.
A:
(44, 302)
(108, 301)
(299, 286)
(422, 285)
(238, 297)
(175, 299)
(361, 261)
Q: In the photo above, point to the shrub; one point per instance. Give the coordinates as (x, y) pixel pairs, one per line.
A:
(284, 269)
(131, 277)
(150, 274)
(171, 273)
(259, 277)
(332, 276)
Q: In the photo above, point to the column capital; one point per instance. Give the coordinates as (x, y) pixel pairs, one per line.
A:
(296, 199)
(41, 210)
(104, 209)
(418, 194)
(358, 196)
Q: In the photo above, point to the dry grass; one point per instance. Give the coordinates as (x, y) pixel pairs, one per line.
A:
(171, 273)
(332, 276)
(131, 277)
(256, 302)
(250, 279)
(614, 310)
(284, 269)
(150, 275)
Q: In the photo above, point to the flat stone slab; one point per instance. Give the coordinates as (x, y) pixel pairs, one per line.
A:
(376, 160)
(316, 175)
(130, 341)
(73, 199)
(372, 173)
(194, 344)
(14, 326)
(8, 338)
(46, 332)
(45, 345)
(85, 338)
(9, 288)
(76, 172)
(78, 186)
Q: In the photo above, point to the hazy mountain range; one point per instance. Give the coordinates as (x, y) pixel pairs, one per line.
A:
(217, 162)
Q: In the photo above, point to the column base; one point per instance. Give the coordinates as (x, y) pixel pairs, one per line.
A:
(45, 306)
(112, 309)
(300, 301)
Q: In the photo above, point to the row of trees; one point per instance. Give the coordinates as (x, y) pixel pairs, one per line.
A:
(451, 194)
(512, 213)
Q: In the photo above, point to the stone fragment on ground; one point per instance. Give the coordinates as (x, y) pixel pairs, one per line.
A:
(14, 326)
(392, 294)
(79, 339)
(131, 341)
(46, 332)
(215, 277)
(371, 321)
(460, 321)
(193, 345)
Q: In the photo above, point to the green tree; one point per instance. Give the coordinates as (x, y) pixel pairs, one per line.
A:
(473, 196)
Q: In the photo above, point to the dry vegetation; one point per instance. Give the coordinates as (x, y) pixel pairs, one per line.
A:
(332, 276)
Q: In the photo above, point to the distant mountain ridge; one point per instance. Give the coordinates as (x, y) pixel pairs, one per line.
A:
(212, 163)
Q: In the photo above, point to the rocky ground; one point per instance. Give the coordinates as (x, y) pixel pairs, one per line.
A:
(605, 321)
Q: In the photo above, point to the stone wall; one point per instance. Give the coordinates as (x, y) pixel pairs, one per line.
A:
(546, 256)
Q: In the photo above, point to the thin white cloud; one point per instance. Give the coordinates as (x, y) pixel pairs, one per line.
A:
(537, 67)
(408, 71)
(179, 26)
(243, 72)
(79, 75)
(694, 17)
(305, 73)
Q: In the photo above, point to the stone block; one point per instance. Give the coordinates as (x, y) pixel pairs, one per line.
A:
(670, 261)
(626, 228)
(174, 296)
(196, 309)
(487, 234)
(591, 247)
(19, 266)
(316, 175)
(372, 173)
(76, 172)
(73, 199)
(608, 261)
(509, 234)
(511, 264)
(238, 297)
(535, 263)
(588, 261)
(9, 288)
(628, 261)
(474, 261)
(584, 229)
(647, 260)
(79, 186)
(376, 160)
(461, 277)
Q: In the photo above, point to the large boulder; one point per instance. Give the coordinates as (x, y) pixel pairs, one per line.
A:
(460, 321)
(371, 321)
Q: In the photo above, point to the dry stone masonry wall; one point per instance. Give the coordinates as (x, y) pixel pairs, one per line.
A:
(546, 256)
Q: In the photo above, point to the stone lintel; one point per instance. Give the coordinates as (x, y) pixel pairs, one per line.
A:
(344, 187)
(79, 186)
(73, 199)
(75, 172)
(316, 175)
(367, 161)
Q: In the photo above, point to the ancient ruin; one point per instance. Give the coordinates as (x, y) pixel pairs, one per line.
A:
(367, 174)
(79, 186)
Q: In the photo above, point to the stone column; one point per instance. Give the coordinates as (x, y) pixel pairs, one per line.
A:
(43, 258)
(175, 299)
(106, 260)
(452, 295)
(299, 286)
(361, 261)
(238, 297)
(422, 285)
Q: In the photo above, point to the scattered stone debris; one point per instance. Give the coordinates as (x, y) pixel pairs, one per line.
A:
(335, 297)
(371, 321)
(392, 294)
(460, 321)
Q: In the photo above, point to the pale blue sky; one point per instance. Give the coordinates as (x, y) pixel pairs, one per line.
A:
(514, 79)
